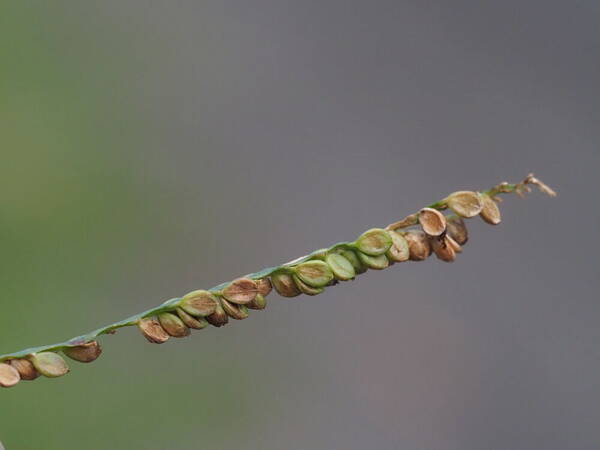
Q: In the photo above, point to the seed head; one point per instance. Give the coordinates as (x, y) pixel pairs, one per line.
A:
(49, 364)
(465, 203)
(25, 368)
(85, 353)
(314, 273)
(284, 285)
(9, 376)
(418, 245)
(432, 221)
(490, 211)
(342, 268)
(352, 257)
(379, 262)
(152, 330)
(241, 291)
(173, 325)
(237, 312)
(457, 229)
(264, 286)
(199, 303)
(219, 317)
(374, 242)
(399, 250)
(260, 302)
(305, 288)
(443, 249)
(191, 321)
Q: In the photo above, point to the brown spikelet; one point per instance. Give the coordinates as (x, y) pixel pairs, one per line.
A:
(465, 203)
(264, 286)
(432, 221)
(452, 243)
(443, 249)
(25, 368)
(418, 245)
(85, 352)
(241, 291)
(490, 212)
(219, 318)
(457, 229)
(9, 376)
(153, 331)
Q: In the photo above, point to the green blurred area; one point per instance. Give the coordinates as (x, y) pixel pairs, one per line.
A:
(74, 223)
(68, 203)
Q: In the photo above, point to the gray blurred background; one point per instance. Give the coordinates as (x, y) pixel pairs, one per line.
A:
(151, 148)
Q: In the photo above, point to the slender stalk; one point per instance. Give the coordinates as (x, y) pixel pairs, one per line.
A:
(171, 304)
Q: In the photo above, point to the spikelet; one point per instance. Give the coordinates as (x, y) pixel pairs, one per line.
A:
(264, 286)
(197, 323)
(418, 245)
(241, 291)
(457, 229)
(259, 302)
(452, 243)
(342, 268)
(306, 288)
(443, 249)
(9, 376)
(49, 364)
(490, 212)
(199, 303)
(152, 330)
(378, 262)
(432, 221)
(25, 368)
(218, 318)
(465, 203)
(173, 325)
(352, 257)
(235, 311)
(85, 352)
(284, 285)
(314, 273)
(374, 242)
(399, 251)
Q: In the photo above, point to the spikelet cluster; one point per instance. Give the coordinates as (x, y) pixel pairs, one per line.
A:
(414, 238)
(48, 363)
(431, 233)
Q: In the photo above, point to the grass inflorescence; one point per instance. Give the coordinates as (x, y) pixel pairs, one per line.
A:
(414, 238)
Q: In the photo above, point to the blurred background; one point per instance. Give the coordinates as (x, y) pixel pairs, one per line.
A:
(152, 148)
